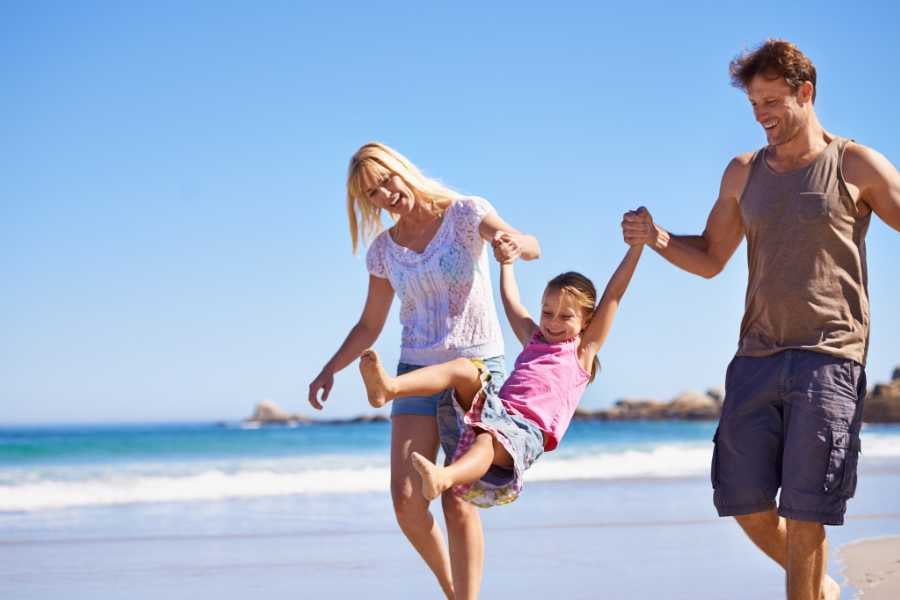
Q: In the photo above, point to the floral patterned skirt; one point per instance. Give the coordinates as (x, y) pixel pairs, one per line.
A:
(522, 439)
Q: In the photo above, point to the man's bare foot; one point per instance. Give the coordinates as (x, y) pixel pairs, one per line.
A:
(378, 382)
(433, 482)
(831, 590)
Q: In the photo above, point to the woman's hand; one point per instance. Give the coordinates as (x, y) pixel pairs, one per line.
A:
(506, 247)
(323, 382)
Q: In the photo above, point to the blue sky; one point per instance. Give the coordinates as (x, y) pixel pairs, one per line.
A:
(175, 244)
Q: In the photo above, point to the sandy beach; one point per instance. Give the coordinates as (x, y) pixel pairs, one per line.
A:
(622, 539)
(872, 566)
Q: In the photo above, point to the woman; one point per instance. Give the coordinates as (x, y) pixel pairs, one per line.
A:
(434, 258)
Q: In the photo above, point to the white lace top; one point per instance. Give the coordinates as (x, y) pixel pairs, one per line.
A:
(446, 300)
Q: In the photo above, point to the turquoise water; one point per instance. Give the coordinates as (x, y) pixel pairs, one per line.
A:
(203, 510)
(123, 443)
(44, 468)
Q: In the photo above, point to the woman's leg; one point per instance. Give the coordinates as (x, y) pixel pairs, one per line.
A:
(461, 374)
(466, 539)
(417, 433)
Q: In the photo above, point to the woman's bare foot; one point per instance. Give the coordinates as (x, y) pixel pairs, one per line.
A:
(831, 590)
(433, 481)
(378, 382)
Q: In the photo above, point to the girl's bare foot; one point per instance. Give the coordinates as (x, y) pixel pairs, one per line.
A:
(378, 382)
(433, 482)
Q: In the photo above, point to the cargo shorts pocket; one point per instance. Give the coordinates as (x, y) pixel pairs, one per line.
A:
(714, 466)
(840, 474)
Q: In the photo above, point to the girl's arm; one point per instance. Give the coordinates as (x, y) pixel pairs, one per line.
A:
(361, 336)
(521, 322)
(524, 246)
(596, 332)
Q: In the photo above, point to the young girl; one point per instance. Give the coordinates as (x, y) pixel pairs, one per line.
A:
(509, 428)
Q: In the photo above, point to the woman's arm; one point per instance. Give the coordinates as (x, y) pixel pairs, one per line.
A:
(521, 322)
(523, 246)
(593, 337)
(361, 336)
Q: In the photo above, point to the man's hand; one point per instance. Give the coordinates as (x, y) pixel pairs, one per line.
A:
(506, 248)
(638, 227)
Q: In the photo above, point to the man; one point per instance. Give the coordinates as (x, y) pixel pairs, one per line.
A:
(795, 388)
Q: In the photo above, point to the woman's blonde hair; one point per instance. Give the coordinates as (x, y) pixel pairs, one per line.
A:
(582, 291)
(374, 162)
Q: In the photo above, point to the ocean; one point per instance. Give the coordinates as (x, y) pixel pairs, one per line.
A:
(43, 468)
(202, 510)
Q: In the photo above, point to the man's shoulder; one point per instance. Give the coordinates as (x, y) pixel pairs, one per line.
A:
(862, 165)
(736, 174)
(854, 151)
(742, 161)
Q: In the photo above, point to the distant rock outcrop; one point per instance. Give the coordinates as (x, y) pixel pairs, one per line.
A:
(269, 413)
(883, 402)
(692, 405)
(882, 405)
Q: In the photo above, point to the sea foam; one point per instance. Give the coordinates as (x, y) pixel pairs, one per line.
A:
(98, 485)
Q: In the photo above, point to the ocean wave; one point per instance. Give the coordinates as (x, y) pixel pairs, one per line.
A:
(672, 460)
(34, 490)
(204, 486)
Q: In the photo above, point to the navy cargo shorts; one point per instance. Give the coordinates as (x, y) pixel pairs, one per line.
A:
(789, 421)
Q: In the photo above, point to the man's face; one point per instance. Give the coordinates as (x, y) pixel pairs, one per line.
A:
(782, 112)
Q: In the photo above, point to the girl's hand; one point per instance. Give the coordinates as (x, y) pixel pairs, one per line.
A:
(323, 382)
(506, 248)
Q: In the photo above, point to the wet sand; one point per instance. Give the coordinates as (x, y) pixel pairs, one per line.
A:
(872, 566)
(616, 540)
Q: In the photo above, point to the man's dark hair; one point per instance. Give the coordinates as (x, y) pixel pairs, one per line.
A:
(774, 59)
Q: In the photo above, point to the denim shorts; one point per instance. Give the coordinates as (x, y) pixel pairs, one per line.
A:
(431, 406)
(522, 439)
(789, 421)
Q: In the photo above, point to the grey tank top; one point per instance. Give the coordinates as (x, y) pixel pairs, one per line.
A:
(807, 286)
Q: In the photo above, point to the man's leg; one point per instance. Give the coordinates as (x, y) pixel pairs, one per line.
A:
(806, 553)
(461, 375)
(787, 542)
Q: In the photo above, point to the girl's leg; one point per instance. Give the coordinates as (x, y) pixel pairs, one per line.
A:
(468, 468)
(460, 374)
(417, 433)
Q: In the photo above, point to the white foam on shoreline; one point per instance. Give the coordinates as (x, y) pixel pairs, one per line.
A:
(99, 485)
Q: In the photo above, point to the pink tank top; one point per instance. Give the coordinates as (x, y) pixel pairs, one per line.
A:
(546, 385)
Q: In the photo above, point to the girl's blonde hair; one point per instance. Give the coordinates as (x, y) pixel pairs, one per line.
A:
(582, 291)
(375, 162)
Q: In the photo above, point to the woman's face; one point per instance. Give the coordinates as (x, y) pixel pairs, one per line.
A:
(389, 193)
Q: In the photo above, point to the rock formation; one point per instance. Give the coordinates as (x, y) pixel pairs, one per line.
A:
(882, 406)
(269, 413)
(692, 405)
(883, 402)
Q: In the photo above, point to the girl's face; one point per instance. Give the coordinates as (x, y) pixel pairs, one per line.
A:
(389, 192)
(562, 318)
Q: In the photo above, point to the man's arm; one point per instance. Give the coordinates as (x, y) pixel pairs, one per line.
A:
(707, 254)
(876, 179)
